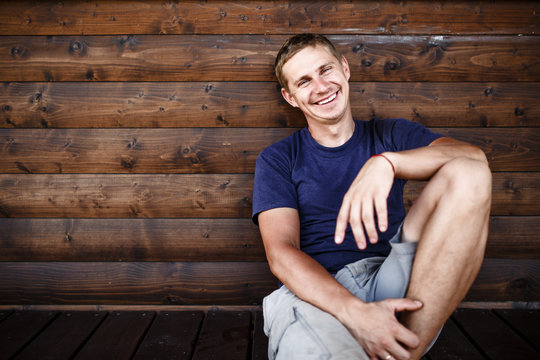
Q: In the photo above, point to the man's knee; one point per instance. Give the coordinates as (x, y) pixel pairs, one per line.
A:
(468, 182)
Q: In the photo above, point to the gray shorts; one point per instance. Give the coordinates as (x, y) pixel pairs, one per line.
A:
(299, 330)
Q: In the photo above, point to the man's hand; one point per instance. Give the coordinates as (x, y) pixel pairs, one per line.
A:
(368, 192)
(375, 326)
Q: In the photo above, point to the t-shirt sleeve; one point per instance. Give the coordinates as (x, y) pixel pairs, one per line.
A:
(273, 186)
(406, 135)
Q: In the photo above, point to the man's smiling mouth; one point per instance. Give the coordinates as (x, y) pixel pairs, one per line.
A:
(327, 100)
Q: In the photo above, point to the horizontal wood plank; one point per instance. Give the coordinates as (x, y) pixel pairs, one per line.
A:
(206, 283)
(192, 196)
(258, 104)
(251, 58)
(130, 240)
(178, 283)
(191, 151)
(260, 17)
(510, 237)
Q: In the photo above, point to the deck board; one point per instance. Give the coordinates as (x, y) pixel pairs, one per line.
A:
(231, 334)
(20, 328)
(62, 339)
(172, 336)
(493, 336)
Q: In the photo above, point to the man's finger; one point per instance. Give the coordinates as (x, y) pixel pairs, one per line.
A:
(341, 222)
(382, 214)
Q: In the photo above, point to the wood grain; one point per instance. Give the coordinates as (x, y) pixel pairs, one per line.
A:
(192, 196)
(510, 237)
(251, 58)
(206, 283)
(261, 17)
(258, 104)
(130, 240)
(178, 283)
(210, 151)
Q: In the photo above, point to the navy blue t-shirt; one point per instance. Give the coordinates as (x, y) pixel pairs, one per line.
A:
(297, 172)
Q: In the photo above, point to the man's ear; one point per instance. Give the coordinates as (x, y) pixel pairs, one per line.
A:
(288, 97)
(345, 66)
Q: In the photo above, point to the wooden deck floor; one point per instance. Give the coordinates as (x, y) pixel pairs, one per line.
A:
(219, 334)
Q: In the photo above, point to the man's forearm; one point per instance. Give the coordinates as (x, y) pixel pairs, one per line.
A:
(422, 163)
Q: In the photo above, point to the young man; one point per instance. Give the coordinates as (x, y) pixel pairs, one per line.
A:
(329, 204)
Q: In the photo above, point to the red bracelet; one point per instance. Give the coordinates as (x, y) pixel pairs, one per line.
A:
(387, 159)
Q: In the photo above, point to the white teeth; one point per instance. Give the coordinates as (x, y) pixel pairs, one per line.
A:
(327, 100)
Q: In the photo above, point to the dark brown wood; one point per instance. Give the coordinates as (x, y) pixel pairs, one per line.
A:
(63, 338)
(171, 336)
(452, 344)
(180, 283)
(374, 17)
(258, 104)
(507, 280)
(191, 151)
(206, 283)
(120, 196)
(516, 237)
(491, 334)
(525, 323)
(260, 340)
(224, 335)
(118, 337)
(19, 328)
(131, 240)
(251, 58)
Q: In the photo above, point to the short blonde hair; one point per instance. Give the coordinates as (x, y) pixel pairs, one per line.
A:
(294, 45)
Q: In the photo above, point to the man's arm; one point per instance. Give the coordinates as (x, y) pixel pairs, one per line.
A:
(369, 191)
(374, 325)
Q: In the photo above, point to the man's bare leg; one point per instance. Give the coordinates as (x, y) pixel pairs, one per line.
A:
(450, 221)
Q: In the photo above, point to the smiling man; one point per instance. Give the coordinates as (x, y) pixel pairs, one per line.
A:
(361, 279)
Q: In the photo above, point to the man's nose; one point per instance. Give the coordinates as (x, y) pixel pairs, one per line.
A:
(320, 84)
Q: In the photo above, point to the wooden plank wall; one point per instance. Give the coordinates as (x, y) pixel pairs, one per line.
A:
(129, 132)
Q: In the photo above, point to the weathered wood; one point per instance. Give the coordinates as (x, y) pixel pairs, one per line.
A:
(121, 196)
(224, 335)
(258, 104)
(188, 283)
(507, 280)
(171, 336)
(130, 240)
(19, 328)
(452, 344)
(191, 151)
(491, 334)
(183, 195)
(192, 196)
(260, 340)
(510, 237)
(63, 338)
(525, 323)
(118, 337)
(206, 283)
(251, 58)
(249, 17)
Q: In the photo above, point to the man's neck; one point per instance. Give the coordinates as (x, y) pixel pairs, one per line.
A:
(332, 135)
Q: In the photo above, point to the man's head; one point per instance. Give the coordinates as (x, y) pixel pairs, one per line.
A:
(296, 44)
(315, 79)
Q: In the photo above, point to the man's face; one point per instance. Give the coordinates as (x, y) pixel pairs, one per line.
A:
(318, 84)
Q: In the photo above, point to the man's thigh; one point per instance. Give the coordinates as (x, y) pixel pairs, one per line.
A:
(298, 330)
